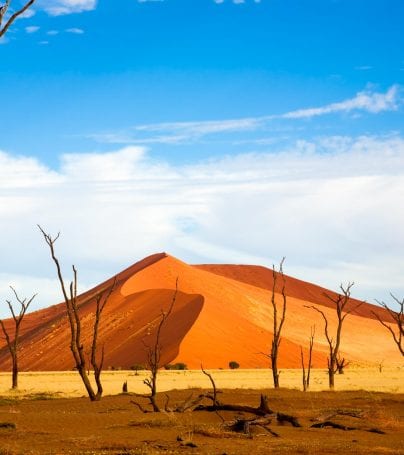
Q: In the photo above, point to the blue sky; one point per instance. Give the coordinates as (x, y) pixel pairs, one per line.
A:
(233, 131)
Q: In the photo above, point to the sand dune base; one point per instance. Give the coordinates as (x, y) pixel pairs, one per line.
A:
(68, 384)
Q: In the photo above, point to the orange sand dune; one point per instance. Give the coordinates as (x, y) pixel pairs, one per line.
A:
(222, 313)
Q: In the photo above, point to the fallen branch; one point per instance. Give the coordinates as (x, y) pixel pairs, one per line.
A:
(262, 410)
(338, 426)
(286, 418)
(244, 426)
(329, 423)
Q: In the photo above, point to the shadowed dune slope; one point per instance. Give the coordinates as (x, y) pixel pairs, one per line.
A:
(221, 313)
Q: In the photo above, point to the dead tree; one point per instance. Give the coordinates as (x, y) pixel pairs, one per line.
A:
(13, 342)
(3, 13)
(306, 377)
(340, 302)
(341, 363)
(398, 318)
(73, 316)
(154, 353)
(278, 321)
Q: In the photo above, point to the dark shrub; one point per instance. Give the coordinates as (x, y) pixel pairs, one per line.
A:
(176, 366)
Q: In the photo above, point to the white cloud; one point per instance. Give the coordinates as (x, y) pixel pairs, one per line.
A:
(75, 31)
(61, 7)
(331, 206)
(181, 132)
(32, 29)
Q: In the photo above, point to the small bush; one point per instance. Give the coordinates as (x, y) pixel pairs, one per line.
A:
(10, 425)
(138, 367)
(176, 366)
(234, 365)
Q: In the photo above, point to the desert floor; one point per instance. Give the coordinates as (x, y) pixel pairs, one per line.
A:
(68, 384)
(41, 419)
(372, 422)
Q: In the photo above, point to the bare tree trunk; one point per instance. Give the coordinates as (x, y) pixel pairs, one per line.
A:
(306, 378)
(154, 353)
(15, 373)
(313, 331)
(73, 316)
(331, 372)
(340, 301)
(277, 323)
(13, 345)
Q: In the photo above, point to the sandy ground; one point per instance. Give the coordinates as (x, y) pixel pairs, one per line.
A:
(372, 423)
(68, 384)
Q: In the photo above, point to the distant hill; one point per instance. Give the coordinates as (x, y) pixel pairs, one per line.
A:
(222, 313)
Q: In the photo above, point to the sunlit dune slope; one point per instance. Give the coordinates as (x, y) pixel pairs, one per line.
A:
(221, 313)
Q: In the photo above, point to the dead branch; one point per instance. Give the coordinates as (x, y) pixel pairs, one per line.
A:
(138, 405)
(262, 410)
(329, 423)
(338, 426)
(213, 385)
(244, 426)
(286, 418)
(13, 17)
(398, 318)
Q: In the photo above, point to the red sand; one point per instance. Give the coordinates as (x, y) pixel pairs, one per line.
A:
(222, 313)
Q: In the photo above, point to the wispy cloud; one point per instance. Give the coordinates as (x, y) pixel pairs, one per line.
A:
(363, 68)
(32, 29)
(181, 132)
(62, 7)
(75, 31)
(366, 101)
(329, 205)
(236, 2)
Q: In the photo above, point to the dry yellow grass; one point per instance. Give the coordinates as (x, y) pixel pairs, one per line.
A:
(68, 384)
